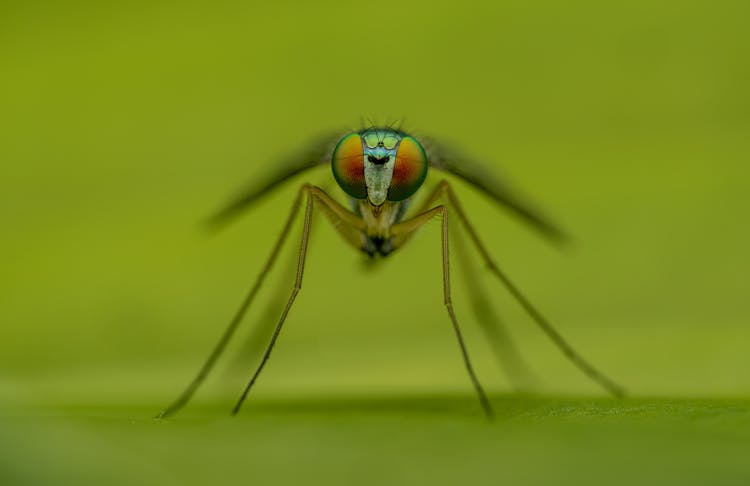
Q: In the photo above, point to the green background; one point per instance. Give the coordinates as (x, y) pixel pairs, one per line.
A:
(122, 126)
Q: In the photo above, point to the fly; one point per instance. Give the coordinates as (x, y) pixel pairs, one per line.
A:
(380, 169)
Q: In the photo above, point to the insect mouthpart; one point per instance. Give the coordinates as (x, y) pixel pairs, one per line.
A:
(379, 161)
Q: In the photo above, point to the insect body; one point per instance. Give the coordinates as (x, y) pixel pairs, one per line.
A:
(380, 169)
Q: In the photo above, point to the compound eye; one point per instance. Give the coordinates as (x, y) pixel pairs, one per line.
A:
(348, 164)
(409, 171)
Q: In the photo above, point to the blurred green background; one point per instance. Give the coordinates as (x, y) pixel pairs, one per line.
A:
(122, 126)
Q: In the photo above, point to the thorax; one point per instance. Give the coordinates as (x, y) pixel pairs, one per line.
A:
(378, 222)
(379, 219)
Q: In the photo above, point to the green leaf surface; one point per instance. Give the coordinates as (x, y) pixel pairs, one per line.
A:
(397, 440)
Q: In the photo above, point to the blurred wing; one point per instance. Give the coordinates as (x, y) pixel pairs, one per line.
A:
(316, 154)
(494, 187)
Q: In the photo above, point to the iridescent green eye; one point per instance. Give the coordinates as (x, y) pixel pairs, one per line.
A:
(409, 171)
(348, 164)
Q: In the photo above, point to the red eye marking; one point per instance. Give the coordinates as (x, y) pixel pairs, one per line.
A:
(348, 165)
(404, 171)
(354, 168)
(410, 170)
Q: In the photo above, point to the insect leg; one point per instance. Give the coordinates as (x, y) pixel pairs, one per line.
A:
(505, 350)
(502, 346)
(538, 318)
(229, 332)
(290, 301)
(409, 227)
(341, 218)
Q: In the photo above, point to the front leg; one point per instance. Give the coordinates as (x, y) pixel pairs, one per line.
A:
(445, 189)
(403, 231)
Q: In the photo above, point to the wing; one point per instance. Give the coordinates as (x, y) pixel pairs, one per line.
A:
(474, 173)
(317, 153)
